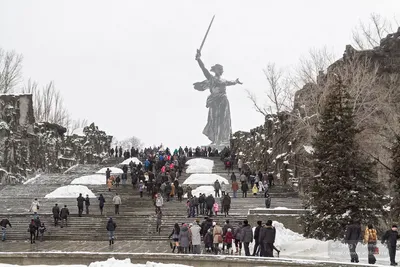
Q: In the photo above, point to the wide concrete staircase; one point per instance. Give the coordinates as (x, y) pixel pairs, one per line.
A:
(136, 221)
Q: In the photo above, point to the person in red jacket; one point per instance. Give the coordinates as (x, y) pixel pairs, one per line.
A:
(228, 240)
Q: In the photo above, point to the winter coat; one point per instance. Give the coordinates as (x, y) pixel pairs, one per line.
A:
(42, 229)
(257, 233)
(260, 187)
(87, 201)
(64, 213)
(168, 189)
(210, 201)
(217, 231)
(117, 200)
(240, 163)
(233, 177)
(353, 234)
(237, 233)
(217, 186)
(391, 237)
(235, 186)
(245, 187)
(216, 207)
(111, 225)
(255, 189)
(4, 223)
(80, 201)
(223, 187)
(202, 198)
(109, 183)
(208, 239)
(159, 201)
(226, 227)
(34, 206)
(228, 238)
(370, 235)
(172, 190)
(226, 201)
(179, 191)
(56, 211)
(184, 238)
(267, 235)
(195, 234)
(101, 201)
(246, 234)
(195, 201)
(32, 227)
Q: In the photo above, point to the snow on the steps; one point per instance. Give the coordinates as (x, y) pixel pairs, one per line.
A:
(198, 169)
(309, 149)
(134, 159)
(70, 191)
(204, 179)
(112, 262)
(31, 180)
(204, 189)
(114, 170)
(200, 161)
(90, 179)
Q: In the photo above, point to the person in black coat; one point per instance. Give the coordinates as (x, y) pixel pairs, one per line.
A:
(353, 236)
(256, 238)
(391, 237)
(245, 188)
(202, 201)
(56, 214)
(266, 239)
(32, 230)
(111, 226)
(87, 204)
(80, 201)
(3, 225)
(64, 216)
(210, 200)
(101, 203)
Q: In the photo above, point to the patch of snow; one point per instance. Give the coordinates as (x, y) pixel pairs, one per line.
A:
(31, 180)
(198, 169)
(269, 151)
(201, 162)
(70, 191)
(281, 155)
(286, 162)
(309, 149)
(78, 132)
(114, 170)
(134, 159)
(280, 208)
(71, 168)
(204, 189)
(204, 179)
(4, 125)
(96, 179)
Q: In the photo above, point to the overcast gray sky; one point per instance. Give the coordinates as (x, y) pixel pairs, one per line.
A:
(129, 65)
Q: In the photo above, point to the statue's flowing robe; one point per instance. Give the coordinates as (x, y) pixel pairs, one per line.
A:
(218, 128)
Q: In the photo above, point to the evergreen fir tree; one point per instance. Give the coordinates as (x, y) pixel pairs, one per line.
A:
(345, 186)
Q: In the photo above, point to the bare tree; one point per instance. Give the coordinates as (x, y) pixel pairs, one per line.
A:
(10, 70)
(368, 35)
(130, 142)
(73, 125)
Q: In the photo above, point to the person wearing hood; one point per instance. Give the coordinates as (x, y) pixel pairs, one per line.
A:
(111, 226)
(101, 203)
(266, 239)
(80, 201)
(353, 236)
(184, 239)
(195, 237)
(391, 237)
(246, 237)
(218, 239)
(34, 206)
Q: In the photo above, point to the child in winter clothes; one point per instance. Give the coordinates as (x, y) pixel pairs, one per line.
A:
(42, 229)
(254, 189)
(216, 208)
(228, 240)
(208, 241)
(141, 188)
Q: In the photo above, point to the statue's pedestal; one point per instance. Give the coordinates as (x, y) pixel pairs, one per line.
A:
(220, 147)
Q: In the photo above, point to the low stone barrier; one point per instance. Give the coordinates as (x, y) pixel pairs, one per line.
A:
(51, 258)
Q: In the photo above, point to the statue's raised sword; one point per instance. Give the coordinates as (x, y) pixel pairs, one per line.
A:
(205, 37)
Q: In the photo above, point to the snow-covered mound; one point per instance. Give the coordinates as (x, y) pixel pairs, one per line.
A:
(114, 170)
(204, 189)
(204, 179)
(127, 161)
(198, 169)
(90, 179)
(200, 162)
(70, 191)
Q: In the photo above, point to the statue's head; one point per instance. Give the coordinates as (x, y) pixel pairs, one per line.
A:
(217, 69)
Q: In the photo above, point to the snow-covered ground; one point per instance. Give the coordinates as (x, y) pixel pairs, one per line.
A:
(114, 170)
(134, 159)
(204, 189)
(90, 179)
(71, 191)
(200, 161)
(108, 263)
(31, 180)
(204, 179)
(198, 169)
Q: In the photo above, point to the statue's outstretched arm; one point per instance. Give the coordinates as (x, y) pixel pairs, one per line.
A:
(229, 83)
(206, 73)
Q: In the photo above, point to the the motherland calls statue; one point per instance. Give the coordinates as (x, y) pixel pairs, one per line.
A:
(218, 128)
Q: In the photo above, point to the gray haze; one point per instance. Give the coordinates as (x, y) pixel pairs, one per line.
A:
(129, 65)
